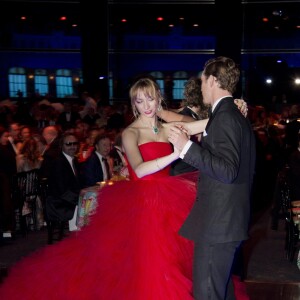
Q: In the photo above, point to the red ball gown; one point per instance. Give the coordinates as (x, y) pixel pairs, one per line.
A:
(130, 250)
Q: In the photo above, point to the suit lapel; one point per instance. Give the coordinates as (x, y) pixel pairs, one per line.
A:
(99, 168)
(69, 167)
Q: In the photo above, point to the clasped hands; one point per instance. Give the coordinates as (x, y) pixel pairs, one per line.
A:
(178, 136)
(180, 132)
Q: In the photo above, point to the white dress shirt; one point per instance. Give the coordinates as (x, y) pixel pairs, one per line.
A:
(70, 160)
(105, 175)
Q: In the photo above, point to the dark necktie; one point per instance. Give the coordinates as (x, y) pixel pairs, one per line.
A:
(106, 167)
(74, 167)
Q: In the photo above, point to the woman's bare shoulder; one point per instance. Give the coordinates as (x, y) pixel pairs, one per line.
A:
(131, 130)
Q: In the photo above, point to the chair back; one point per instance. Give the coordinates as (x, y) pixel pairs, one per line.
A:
(26, 189)
(27, 185)
(285, 194)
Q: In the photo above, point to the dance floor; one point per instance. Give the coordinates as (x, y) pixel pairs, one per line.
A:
(268, 275)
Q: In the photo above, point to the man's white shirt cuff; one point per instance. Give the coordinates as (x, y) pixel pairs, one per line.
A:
(185, 149)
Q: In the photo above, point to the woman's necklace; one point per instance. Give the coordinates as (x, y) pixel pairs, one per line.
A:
(155, 128)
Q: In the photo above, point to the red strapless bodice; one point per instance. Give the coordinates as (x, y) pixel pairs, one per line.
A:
(150, 151)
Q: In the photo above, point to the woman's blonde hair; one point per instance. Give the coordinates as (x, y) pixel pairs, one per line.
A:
(147, 86)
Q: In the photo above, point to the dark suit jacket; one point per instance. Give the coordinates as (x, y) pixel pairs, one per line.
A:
(116, 121)
(51, 153)
(62, 119)
(225, 159)
(63, 190)
(92, 170)
(7, 171)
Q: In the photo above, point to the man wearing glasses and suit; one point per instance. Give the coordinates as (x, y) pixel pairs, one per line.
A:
(63, 181)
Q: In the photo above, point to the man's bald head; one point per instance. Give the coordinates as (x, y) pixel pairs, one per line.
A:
(50, 133)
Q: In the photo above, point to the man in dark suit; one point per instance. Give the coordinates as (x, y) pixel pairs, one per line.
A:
(14, 136)
(96, 167)
(68, 117)
(63, 181)
(225, 158)
(53, 149)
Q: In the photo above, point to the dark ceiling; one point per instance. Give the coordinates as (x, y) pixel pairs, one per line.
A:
(43, 16)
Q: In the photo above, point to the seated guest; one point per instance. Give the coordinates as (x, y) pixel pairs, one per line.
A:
(14, 135)
(51, 136)
(86, 147)
(89, 102)
(91, 116)
(118, 161)
(68, 117)
(81, 130)
(96, 167)
(7, 171)
(41, 142)
(28, 159)
(25, 134)
(294, 164)
(116, 119)
(63, 181)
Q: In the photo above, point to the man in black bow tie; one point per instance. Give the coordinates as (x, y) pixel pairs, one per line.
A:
(95, 168)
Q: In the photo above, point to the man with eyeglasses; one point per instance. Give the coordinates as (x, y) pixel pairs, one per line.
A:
(63, 182)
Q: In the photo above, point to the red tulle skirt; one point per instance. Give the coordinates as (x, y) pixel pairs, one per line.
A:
(131, 249)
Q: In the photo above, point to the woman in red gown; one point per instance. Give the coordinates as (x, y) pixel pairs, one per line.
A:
(131, 249)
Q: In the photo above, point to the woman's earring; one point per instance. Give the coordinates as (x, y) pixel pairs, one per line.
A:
(135, 112)
(159, 108)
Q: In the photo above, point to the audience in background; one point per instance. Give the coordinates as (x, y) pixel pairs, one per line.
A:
(292, 129)
(81, 130)
(41, 142)
(294, 172)
(68, 117)
(116, 119)
(14, 135)
(276, 133)
(91, 116)
(29, 158)
(96, 168)
(51, 136)
(7, 171)
(63, 181)
(89, 102)
(25, 134)
(87, 147)
(117, 157)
